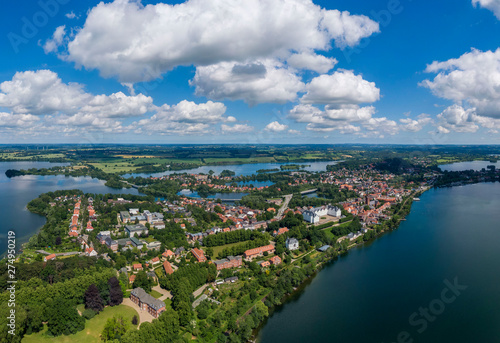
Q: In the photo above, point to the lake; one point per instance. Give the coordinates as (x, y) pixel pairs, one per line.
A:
(471, 165)
(239, 169)
(370, 294)
(16, 192)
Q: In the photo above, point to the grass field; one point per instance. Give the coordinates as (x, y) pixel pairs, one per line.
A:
(168, 302)
(155, 294)
(328, 231)
(93, 327)
(115, 167)
(446, 160)
(218, 249)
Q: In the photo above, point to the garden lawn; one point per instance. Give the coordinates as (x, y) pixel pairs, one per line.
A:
(155, 294)
(218, 249)
(93, 327)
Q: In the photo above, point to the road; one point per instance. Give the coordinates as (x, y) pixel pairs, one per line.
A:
(200, 290)
(165, 294)
(130, 184)
(144, 316)
(284, 206)
(59, 253)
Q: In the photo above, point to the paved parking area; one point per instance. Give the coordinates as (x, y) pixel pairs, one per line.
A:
(143, 315)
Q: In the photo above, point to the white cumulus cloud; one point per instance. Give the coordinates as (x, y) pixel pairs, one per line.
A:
(259, 81)
(415, 125)
(184, 118)
(275, 126)
(472, 82)
(492, 5)
(63, 106)
(312, 61)
(237, 128)
(138, 43)
(341, 87)
(42, 92)
(473, 79)
(52, 44)
(17, 121)
(346, 119)
(458, 119)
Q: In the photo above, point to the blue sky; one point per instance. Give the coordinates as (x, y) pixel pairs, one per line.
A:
(254, 71)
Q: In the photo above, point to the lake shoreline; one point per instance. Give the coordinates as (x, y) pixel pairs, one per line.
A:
(342, 254)
(303, 302)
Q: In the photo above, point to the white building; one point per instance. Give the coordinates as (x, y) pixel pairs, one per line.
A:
(90, 252)
(148, 215)
(313, 215)
(292, 244)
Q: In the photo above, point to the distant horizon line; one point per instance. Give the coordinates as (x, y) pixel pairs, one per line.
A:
(241, 144)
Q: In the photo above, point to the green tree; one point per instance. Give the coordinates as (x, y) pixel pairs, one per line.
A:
(203, 309)
(63, 318)
(115, 328)
(170, 321)
(185, 312)
(142, 280)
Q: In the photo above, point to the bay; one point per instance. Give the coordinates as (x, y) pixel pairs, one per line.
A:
(368, 295)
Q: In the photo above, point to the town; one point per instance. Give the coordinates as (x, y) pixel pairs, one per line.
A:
(225, 254)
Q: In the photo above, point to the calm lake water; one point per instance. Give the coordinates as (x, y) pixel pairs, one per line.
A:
(222, 196)
(472, 165)
(15, 193)
(370, 294)
(240, 169)
(254, 183)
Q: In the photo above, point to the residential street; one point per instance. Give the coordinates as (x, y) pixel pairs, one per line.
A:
(284, 206)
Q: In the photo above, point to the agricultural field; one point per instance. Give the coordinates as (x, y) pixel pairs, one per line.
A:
(24, 157)
(235, 160)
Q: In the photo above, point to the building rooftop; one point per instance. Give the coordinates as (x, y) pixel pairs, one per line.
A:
(168, 268)
(147, 299)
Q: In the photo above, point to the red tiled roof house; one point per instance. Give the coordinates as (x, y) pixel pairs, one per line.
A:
(168, 268)
(199, 255)
(49, 257)
(257, 252)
